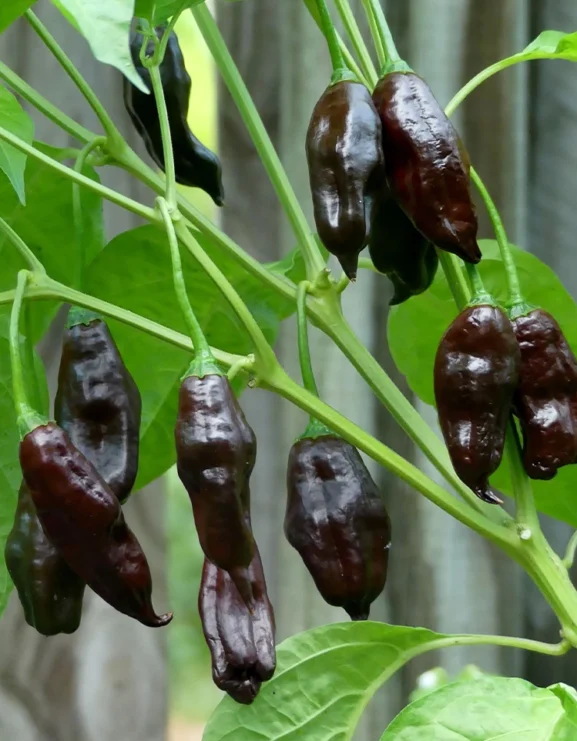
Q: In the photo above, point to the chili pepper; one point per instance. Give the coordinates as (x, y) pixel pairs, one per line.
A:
(83, 519)
(337, 520)
(399, 250)
(345, 161)
(476, 372)
(98, 404)
(215, 453)
(426, 164)
(50, 592)
(196, 166)
(546, 398)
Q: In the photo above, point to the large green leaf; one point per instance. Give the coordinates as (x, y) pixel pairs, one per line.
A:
(325, 677)
(416, 327)
(158, 11)
(10, 10)
(18, 122)
(134, 272)
(489, 709)
(557, 44)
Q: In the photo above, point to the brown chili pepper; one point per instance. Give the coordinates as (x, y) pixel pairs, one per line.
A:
(546, 398)
(345, 161)
(216, 451)
(426, 164)
(50, 592)
(337, 520)
(476, 373)
(83, 519)
(98, 403)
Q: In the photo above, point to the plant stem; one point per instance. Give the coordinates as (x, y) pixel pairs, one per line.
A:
(77, 210)
(569, 558)
(101, 190)
(33, 262)
(198, 337)
(480, 293)
(167, 147)
(526, 515)
(313, 259)
(354, 34)
(515, 295)
(307, 373)
(265, 360)
(378, 39)
(27, 418)
(282, 384)
(43, 105)
(330, 34)
(170, 28)
(455, 278)
(90, 96)
(385, 33)
(44, 288)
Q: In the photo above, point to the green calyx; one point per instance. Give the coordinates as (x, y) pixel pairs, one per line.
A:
(78, 315)
(399, 66)
(203, 365)
(28, 420)
(315, 429)
(343, 74)
(520, 308)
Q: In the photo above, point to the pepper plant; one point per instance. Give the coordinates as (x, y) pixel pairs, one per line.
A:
(326, 676)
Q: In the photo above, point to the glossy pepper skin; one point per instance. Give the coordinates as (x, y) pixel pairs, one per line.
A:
(399, 250)
(196, 166)
(83, 519)
(546, 398)
(427, 167)
(215, 455)
(345, 161)
(50, 592)
(337, 521)
(98, 404)
(476, 373)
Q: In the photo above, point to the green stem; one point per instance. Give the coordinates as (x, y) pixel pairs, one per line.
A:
(101, 190)
(265, 360)
(194, 329)
(313, 259)
(515, 295)
(242, 365)
(77, 210)
(43, 105)
(480, 293)
(354, 34)
(526, 515)
(29, 362)
(329, 32)
(44, 288)
(170, 175)
(307, 373)
(90, 96)
(33, 262)
(569, 558)
(455, 278)
(378, 38)
(170, 28)
(393, 55)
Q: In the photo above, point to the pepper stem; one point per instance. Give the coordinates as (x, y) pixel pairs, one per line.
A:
(26, 417)
(340, 69)
(480, 293)
(393, 63)
(204, 362)
(307, 374)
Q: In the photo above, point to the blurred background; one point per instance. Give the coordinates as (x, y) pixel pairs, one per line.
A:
(116, 679)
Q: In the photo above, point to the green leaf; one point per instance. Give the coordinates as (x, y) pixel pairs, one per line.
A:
(415, 329)
(292, 266)
(10, 10)
(18, 122)
(324, 679)
(557, 44)
(105, 24)
(487, 709)
(134, 272)
(158, 11)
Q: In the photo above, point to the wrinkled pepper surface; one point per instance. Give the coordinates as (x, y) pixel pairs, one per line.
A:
(196, 166)
(546, 398)
(215, 455)
(98, 404)
(426, 164)
(83, 519)
(336, 519)
(399, 250)
(476, 373)
(345, 161)
(50, 592)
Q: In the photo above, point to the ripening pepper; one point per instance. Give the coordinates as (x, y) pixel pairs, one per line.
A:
(427, 167)
(399, 250)
(546, 398)
(196, 166)
(336, 519)
(215, 455)
(476, 373)
(98, 404)
(50, 592)
(345, 161)
(83, 519)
